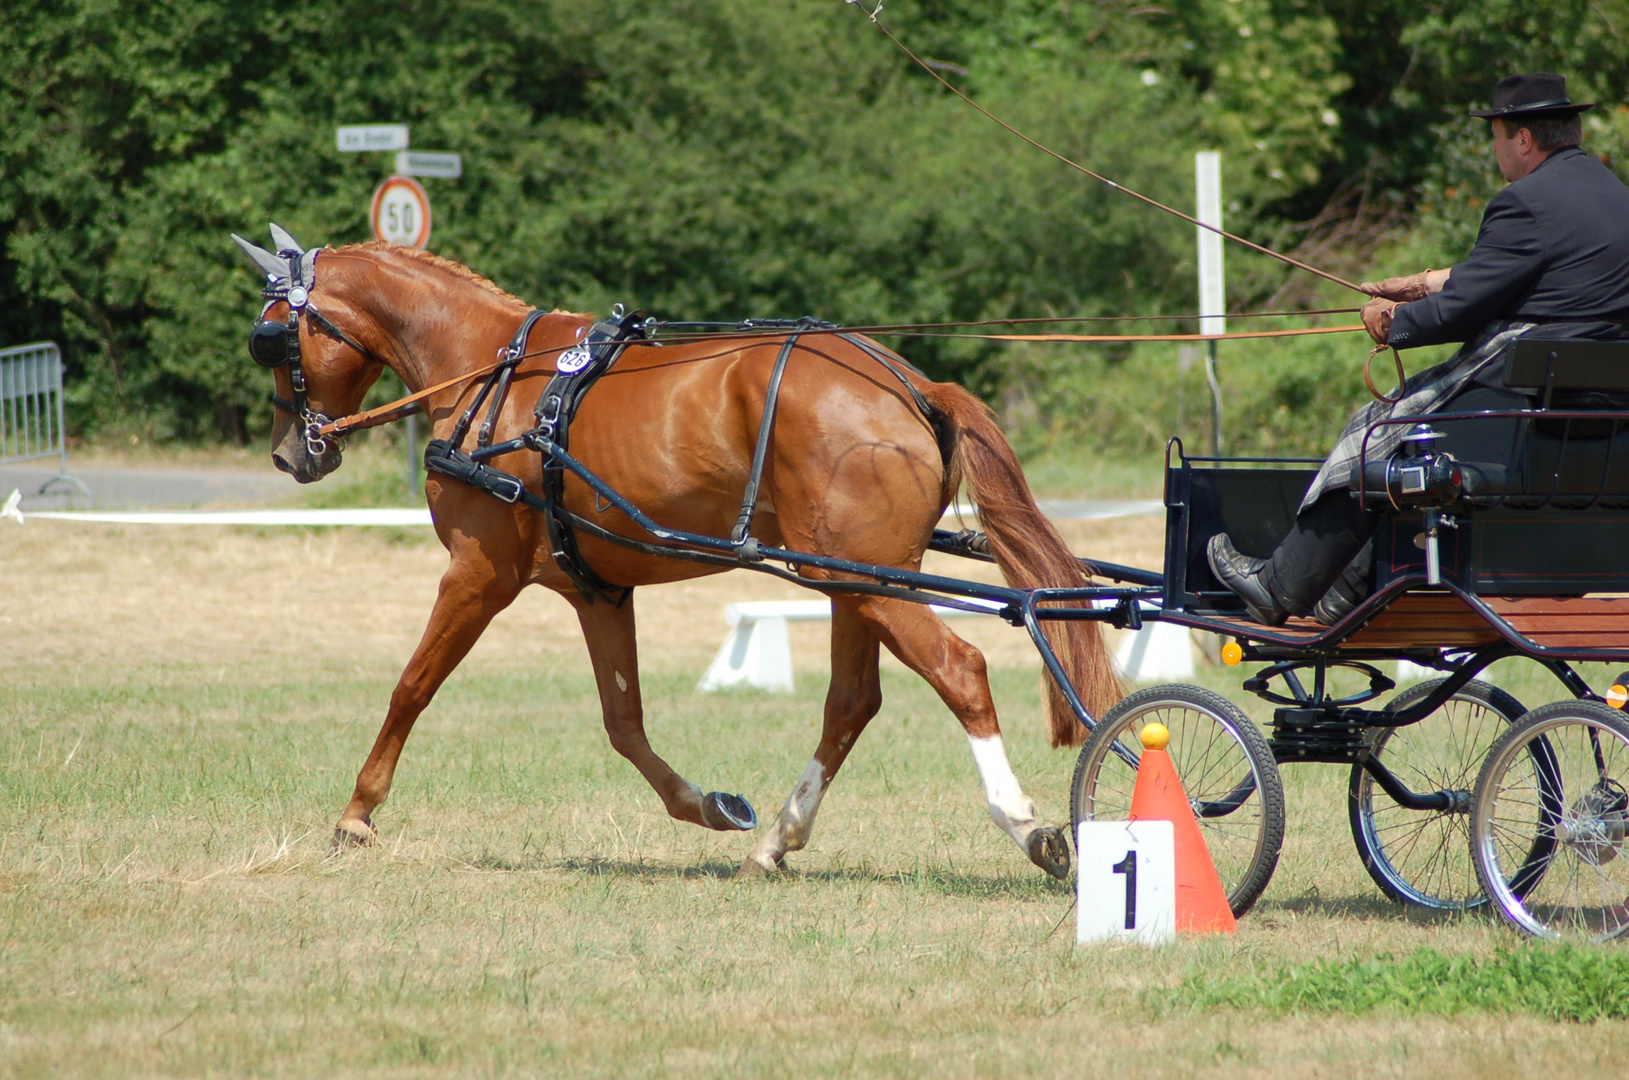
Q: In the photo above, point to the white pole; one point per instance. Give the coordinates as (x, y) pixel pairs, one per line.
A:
(1212, 288)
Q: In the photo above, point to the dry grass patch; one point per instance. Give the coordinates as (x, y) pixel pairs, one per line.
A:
(183, 714)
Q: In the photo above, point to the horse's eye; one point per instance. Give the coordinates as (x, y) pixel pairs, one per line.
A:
(268, 344)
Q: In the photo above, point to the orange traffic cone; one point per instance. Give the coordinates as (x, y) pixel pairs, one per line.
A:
(1201, 902)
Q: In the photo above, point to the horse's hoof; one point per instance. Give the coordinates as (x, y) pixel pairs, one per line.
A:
(727, 813)
(352, 833)
(1050, 851)
(752, 868)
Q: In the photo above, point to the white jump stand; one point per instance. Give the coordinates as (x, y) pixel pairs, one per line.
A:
(1410, 672)
(758, 651)
(1159, 652)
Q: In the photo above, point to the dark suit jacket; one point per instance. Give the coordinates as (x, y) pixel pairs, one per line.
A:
(1554, 246)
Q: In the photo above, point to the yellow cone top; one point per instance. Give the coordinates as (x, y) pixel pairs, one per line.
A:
(1155, 736)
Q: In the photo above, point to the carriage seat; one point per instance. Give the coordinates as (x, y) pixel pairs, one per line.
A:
(1544, 365)
(1535, 457)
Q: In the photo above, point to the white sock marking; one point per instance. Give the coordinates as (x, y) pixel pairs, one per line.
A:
(792, 826)
(1010, 808)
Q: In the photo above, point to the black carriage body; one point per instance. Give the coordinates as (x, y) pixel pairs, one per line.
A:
(1545, 509)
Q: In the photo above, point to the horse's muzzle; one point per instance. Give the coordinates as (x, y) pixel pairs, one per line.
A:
(293, 456)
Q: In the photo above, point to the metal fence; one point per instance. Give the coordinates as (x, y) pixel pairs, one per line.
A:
(31, 407)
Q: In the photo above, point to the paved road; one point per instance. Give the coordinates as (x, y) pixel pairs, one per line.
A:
(112, 488)
(138, 489)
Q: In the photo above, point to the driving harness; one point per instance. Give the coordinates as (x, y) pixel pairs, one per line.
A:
(576, 371)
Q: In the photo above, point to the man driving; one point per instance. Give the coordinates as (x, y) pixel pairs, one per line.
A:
(1553, 252)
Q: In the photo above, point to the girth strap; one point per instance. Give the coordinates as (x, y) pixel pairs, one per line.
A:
(576, 370)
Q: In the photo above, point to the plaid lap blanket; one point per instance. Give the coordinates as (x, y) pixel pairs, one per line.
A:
(1422, 394)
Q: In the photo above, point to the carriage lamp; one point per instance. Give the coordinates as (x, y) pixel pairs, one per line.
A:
(1420, 477)
(1416, 477)
(1617, 695)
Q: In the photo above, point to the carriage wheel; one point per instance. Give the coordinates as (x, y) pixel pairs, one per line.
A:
(1226, 768)
(1423, 857)
(1563, 767)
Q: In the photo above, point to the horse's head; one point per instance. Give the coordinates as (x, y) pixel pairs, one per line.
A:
(321, 370)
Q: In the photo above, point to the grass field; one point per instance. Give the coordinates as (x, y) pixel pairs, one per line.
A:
(182, 713)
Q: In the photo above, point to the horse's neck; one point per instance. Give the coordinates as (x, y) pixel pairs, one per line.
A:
(446, 327)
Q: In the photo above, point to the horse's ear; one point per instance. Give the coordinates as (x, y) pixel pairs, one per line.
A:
(282, 241)
(264, 261)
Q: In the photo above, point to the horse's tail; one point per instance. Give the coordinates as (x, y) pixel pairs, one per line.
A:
(1028, 550)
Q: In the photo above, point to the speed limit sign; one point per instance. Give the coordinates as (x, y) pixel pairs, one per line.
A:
(401, 212)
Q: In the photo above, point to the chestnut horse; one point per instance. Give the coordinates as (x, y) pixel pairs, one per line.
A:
(856, 471)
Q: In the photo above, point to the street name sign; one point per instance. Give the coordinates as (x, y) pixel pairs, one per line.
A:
(422, 163)
(373, 137)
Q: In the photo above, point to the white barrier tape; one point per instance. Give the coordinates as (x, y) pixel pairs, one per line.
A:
(409, 516)
(397, 517)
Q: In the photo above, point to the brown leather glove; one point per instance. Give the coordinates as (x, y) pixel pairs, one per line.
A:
(1377, 318)
(1404, 290)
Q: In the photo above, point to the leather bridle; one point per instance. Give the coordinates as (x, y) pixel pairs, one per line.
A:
(274, 344)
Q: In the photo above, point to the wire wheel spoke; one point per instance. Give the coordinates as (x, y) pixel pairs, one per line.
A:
(1559, 777)
(1225, 767)
(1422, 857)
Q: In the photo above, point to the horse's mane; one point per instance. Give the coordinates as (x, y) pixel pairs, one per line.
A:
(457, 269)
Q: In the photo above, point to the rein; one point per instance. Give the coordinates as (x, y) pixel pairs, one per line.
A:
(395, 410)
(1402, 376)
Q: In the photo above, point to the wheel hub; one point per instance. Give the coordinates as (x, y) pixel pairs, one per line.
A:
(1597, 824)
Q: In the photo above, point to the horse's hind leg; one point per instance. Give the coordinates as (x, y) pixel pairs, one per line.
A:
(609, 632)
(852, 700)
(956, 670)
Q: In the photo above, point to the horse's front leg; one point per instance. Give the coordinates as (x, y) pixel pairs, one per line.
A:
(609, 632)
(472, 592)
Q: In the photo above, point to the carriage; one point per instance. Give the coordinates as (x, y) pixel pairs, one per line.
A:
(1503, 532)
(1504, 528)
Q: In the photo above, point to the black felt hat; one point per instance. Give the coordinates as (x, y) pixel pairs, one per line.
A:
(1538, 94)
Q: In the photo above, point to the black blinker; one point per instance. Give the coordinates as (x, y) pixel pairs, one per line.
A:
(268, 344)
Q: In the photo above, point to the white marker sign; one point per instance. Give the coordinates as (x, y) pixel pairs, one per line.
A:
(1127, 882)
(373, 137)
(420, 163)
(401, 212)
(1207, 167)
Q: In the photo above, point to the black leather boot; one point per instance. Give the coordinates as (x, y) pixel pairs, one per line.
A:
(1349, 590)
(1325, 540)
(1247, 578)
